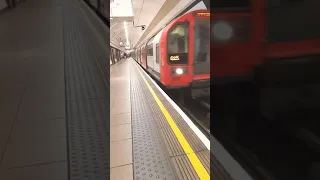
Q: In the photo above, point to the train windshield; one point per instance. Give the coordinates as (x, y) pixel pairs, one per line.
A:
(178, 44)
(231, 5)
(202, 46)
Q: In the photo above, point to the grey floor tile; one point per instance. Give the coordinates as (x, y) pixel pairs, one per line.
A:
(120, 132)
(39, 151)
(121, 106)
(30, 130)
(117, 119)
(122, 172)
(50, 171)
(120, 153)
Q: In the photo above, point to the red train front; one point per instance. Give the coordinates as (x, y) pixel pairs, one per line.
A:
(179, 55)
(247, 33)
(265, 61)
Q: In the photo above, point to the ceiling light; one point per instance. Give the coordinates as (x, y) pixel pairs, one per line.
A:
(126, 31)
(114, 4)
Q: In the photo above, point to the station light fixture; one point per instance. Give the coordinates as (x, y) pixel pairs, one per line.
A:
(121, 8)
(126, 32)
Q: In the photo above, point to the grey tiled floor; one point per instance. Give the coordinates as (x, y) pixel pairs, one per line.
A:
(120, 122)
(32, 102)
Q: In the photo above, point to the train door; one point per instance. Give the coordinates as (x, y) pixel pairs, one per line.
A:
(141, 54)
(156, 51)
(237, 27)
(201, 45)
(157, 57)
(178, 44)
(150, 56)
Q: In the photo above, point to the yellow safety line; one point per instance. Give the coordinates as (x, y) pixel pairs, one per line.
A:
(196, 163)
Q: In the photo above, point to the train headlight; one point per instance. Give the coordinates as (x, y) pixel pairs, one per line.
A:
(179, 71)
(222, 30)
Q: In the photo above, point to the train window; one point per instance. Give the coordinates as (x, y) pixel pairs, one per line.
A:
(300, 26)
(178, 44)
(202, 40)
(144, 51)
(157, 54)
(150, 50)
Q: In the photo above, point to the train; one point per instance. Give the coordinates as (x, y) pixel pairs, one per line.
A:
(178, 56)
(253, 42)
(265, 59)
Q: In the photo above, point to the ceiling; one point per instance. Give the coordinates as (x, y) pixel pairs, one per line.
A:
(144, 11)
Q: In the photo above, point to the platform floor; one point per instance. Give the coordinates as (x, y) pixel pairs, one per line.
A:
(146, 142)
(152, 138)
(53, 98)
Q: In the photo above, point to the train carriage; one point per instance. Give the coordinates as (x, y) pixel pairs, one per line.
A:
(251, 44)
(143, 60)
(178, 55)
(265, 58)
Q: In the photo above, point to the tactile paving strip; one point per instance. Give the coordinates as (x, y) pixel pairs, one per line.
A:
(150, 158)
(190, 136)
(87, 101)
(162, 123)
(186, 170)
(182, 165)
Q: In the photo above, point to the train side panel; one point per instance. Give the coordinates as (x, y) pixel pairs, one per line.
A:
(150, 56)
(144, 58)
(138, 55)
(175, 54)
(153, 50)
(156, 52)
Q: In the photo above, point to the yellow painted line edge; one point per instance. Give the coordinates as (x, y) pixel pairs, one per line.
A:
(193, 158)
(186, 119)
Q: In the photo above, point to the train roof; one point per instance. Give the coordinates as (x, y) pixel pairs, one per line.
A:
(193, 7)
